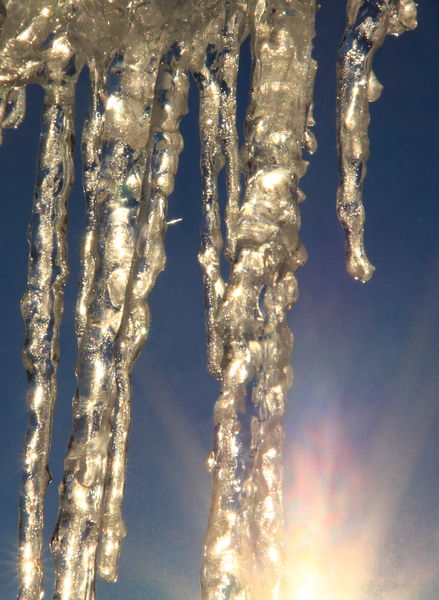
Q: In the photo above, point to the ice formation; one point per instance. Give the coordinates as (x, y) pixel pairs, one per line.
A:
(139, 55)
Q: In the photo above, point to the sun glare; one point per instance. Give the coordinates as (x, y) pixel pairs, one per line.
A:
(344, 534)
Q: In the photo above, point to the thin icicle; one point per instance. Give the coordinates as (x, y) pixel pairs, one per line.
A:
(219, 146)
(368, 23)
(91, 137)
(235, 22)
(148, 262)
(12, 108)
(42, 307)
(212, 161)
(121, 172)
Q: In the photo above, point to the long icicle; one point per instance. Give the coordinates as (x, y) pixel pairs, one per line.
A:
(283, 77)
(222, 562)
(42, 307)
(368, 23)
(122, 168)
(148, 261)
(243, 555)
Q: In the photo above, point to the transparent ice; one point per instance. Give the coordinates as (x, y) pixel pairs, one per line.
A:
(140, 55)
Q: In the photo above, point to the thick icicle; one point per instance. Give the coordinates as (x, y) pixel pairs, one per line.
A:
(42, 307)
(243, 554)
(284, 76)
(368, 23)
(148, 262)
(121, 172)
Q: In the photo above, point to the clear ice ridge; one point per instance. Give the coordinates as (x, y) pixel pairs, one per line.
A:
(139, 55)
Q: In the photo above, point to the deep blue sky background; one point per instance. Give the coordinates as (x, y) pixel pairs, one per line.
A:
(362, 422)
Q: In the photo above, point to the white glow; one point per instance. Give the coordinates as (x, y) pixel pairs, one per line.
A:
(272, 179)
(115, 104)
(61, 47)
(222, 544)
(38, 396)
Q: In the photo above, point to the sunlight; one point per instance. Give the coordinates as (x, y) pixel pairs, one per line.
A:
(344, 539)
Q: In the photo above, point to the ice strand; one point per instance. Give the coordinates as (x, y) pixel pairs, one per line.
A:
(212, 161)
(243, 552)
(42, 306)
(234, 32)
(368, 23)
(91, 136)
(148, 262)
(121, 172)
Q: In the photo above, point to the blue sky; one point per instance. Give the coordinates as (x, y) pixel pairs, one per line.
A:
(362, 449)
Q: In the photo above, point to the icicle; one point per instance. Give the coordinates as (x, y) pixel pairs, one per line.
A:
(211, 241)
(219, 146)
(121, 172)
(368, 23)
(42, 307)
(243, 555)
(91, 137)
(283, 75)
(235, 21)
(148, 262)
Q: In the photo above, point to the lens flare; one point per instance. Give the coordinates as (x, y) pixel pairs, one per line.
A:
(345, 540)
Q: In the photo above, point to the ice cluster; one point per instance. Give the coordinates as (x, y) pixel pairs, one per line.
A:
(139, 54)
